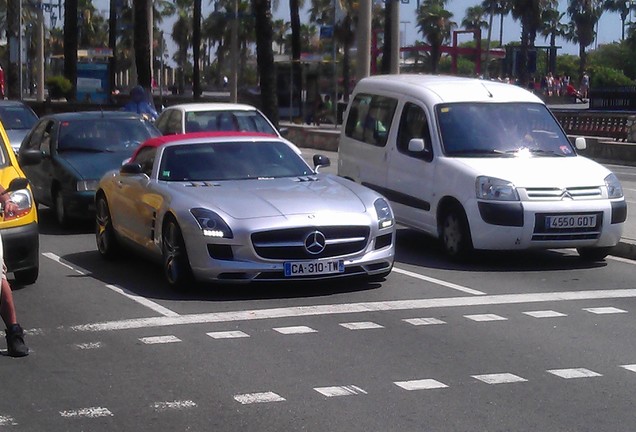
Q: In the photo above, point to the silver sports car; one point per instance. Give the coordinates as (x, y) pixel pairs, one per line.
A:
(238, 207)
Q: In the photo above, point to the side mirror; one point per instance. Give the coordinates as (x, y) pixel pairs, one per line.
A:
(321, 161)
(130, 169)
(283, 131)
(16, 184)
(580, 143)
(30, 157)
(417, 145)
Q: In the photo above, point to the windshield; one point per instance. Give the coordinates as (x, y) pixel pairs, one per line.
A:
(500, 129)
(228, 120)
(231, 161)
(103, 134)
(17, 117)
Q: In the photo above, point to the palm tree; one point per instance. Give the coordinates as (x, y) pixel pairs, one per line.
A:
(182, 36)
(70, 44)
(474, 19)
(621, 6)
(265, 58)
(435, 24)
(529, 13)
(294, 17)
(196, 49)
(552, 27)
(142, 42)
(584, 15)
(497, 7)
(281, 28)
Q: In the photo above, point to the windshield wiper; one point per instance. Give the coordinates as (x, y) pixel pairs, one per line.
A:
(479, 152)
(82, 149)
(545, 152)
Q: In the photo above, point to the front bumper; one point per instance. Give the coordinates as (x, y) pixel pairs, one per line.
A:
(21, 247)
(521, 225)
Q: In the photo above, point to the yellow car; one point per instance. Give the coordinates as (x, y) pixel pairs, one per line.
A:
(19, 231)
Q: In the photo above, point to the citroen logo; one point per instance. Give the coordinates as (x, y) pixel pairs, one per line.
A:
(566, 194)
(315, 242)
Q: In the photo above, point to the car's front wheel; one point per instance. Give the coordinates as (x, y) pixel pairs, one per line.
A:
(455, 234)
(593, 254)
(176, 265)
(27, 277)
(60, 208)
(104, 231)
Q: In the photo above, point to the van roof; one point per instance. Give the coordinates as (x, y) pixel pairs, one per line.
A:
(447, 88)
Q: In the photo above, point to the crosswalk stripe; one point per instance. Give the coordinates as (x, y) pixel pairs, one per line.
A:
(336, 391)
(574, 373)
(485, 317)
(423, 384)
(361, 325)
(499, 378)
(252, 398)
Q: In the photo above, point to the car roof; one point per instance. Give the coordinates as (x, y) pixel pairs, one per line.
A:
(213, 106)
(194, 137)
(10, 103)
(92, 115)
(447, 88)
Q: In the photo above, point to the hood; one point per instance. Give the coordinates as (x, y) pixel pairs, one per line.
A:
(92, 166)
(539, 171)
(245, 199)
(16, 136)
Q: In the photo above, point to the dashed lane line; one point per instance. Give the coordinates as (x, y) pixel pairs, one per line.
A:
(349, 308)
(122, 291)
(438, 282)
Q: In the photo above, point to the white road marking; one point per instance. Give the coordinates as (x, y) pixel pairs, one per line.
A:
(365, 325)
(228, 334)
(92, 412)
(485, 317)
(89, 345)
(159, 340)
(173, 405)
(545, 314)
(126, 293)
(574, 373)
(499, 378)
(251, 398)
(349, 390)
(621, 259)
(143, 301)
(604, 310)
(630, 367)
(34, 332)
(7, 421)
(423, 321)
(348, 308)
(438, 282)
(294, 330)
(424, 384)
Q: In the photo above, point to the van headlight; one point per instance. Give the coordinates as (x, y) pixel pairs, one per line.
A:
(86, 185)
(614, 189)
(385, 215)
(490, 188)
(211, 223)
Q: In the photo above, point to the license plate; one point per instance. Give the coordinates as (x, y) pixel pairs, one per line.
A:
(570, 221)
(309, 268)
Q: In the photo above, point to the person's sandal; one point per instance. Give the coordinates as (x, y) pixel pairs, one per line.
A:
(15, 341)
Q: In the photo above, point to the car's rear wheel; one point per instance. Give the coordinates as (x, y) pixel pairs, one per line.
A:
(28, 276)
(593, 254)
(60, 208)
(455, 234)
(104, 232)
(176, 265)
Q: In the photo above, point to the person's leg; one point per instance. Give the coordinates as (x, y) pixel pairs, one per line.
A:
(14, 333)
(7, 307)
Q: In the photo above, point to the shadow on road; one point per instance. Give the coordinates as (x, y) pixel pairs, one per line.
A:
(48, 224)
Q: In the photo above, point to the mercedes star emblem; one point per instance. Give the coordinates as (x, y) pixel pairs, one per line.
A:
(315, 242)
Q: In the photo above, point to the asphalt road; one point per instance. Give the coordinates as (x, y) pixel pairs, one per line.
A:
(510, 342)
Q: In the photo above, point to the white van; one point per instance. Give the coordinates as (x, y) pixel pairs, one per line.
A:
(479, 165)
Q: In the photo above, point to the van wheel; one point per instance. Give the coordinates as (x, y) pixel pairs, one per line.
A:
(455, 234)
(593, 254)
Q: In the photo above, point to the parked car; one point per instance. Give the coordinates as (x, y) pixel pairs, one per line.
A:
(479, 165)
(200, 117)
(19, 231)
(66, 154)
(238, 207)
(18, 119)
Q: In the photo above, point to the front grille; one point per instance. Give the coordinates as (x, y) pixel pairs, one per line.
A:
(543, 233)
(289, 244)
(558, 194)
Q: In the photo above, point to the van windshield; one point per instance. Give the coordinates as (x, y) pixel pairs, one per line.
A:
(501, 130)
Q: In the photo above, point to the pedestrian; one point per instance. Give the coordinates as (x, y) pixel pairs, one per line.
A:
(139, 104)
(14, 333)
(585, 85)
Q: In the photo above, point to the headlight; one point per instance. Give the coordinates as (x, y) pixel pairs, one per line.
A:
(385, 215)
(211, 223)
(24, 202)
(87, 185)
(490, 188)
(614, 189)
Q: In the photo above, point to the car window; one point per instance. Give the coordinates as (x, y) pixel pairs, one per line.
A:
(103, 134)
(231, 161)
(500, 129)
(17, 117)
(228, 120)
(414, 124)
(174, 123)
(370, 118)
(146, 158)
(35, 137)
(162, 121)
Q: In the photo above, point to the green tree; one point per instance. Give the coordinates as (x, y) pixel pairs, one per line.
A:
(71, 42)
(281, 29)
(623, 7)
(552, 27)
(435, 23)
(584, 15)
(474, 18)
(265, 58)
(500, 8)
(141, 43)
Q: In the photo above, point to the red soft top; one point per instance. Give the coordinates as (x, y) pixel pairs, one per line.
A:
(166, 139)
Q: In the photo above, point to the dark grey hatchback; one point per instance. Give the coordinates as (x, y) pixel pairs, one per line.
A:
(66, 154)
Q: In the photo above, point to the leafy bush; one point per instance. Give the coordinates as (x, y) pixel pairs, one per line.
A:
(603, 76)
(59, 86)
